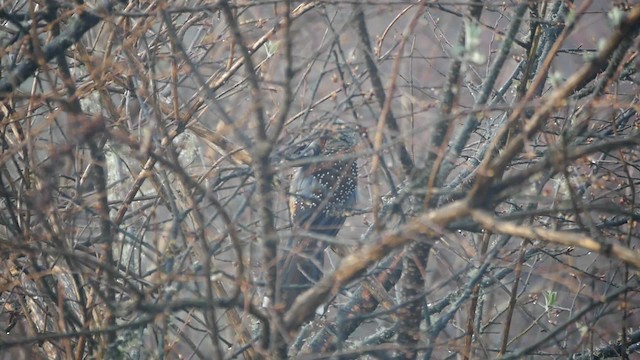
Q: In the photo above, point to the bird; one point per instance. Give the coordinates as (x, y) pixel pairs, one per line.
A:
(322, 193)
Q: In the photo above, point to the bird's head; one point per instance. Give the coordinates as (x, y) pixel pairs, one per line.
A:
(330, 137)
(340, 135)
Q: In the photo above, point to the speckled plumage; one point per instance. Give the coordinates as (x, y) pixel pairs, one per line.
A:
(322, 193)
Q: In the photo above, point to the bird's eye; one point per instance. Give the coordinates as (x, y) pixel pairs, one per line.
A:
(307, 150)
(299, 149)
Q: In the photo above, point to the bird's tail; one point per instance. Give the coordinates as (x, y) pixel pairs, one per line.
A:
(299, 268)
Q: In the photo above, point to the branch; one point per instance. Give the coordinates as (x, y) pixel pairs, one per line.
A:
(378, 88)
(609, 351)
(570, 322)
(557, 98)
(471, 123)
(85, 21)
(428, 225)
(566, 238)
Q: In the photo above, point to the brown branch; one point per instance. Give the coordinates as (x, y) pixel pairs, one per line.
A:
(86, 21)
(566, 238)
(378, 88)
(428, 225)
(490, 168)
